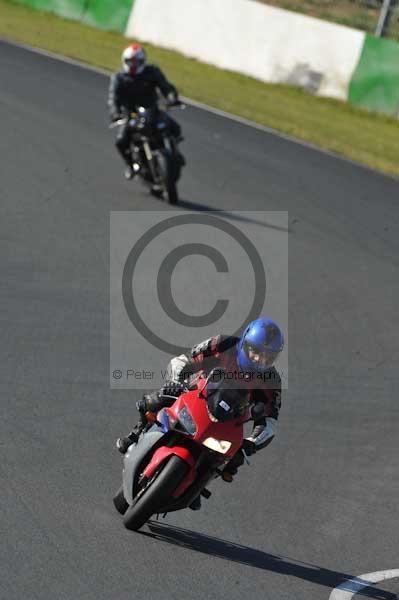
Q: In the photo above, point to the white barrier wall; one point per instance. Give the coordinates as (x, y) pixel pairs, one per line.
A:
(268, 43)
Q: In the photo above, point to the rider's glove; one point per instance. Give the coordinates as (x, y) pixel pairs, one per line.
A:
(249, 447)
(172, 388)
(149, 402)
(172, 99)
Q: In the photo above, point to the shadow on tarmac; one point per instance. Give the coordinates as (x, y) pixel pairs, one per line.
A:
(233, 215)
(258, 559)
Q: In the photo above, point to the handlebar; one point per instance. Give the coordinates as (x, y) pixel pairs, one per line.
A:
(168, 106)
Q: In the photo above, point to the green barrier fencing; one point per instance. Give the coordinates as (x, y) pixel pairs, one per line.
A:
(71, 9)
(375, 82)
(108, 14)
(104, 14)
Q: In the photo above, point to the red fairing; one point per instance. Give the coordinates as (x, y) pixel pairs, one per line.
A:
(185, 484)
(162, 454)
(230, 430)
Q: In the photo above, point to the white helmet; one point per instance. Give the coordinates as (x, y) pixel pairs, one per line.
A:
(133, 59)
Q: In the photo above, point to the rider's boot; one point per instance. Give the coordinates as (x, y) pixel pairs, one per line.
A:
(124, 443)
(232, 467)
(148, 407)
(227, 476)
(196, 504)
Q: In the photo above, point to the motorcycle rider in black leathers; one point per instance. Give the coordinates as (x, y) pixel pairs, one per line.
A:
(137, 85)
(252, 355)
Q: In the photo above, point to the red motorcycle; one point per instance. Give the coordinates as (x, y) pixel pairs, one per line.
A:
(183, 450)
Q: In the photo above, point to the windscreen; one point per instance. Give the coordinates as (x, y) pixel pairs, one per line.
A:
(223, 399)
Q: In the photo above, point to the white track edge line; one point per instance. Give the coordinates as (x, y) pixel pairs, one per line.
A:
(206, 107)
(362, 581)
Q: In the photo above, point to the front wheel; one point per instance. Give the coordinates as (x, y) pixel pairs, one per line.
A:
(156, 494)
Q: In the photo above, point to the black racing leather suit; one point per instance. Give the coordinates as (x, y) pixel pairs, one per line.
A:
(127, 92)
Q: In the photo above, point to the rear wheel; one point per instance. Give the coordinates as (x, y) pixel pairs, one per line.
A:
(156, 494)
(171, 182)
(168, 170)
(171, 192)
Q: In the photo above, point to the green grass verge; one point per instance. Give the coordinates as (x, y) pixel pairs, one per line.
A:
(359, 14)
(355, 133)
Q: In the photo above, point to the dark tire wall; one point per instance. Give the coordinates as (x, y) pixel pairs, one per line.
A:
(157, 494)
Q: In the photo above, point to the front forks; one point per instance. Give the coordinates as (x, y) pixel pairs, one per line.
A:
(150, 161)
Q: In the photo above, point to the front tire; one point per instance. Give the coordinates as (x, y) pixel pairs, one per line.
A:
(157, 493)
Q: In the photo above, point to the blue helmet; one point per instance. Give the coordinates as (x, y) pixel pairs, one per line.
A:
(259, 346)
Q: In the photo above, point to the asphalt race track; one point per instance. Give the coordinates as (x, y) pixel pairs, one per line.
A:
(316, 508)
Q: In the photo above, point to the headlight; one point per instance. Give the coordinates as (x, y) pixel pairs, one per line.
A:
(221, 446)
(186, 421)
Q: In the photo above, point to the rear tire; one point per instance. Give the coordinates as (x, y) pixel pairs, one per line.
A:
(157, 493)
(171, 182)
(120, 502)
(169, 169)
(172, 194)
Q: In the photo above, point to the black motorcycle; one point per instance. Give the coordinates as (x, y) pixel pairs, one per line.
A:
(156, 159)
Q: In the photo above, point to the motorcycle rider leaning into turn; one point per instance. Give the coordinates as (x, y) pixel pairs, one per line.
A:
(137, 85)
(253, 356)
